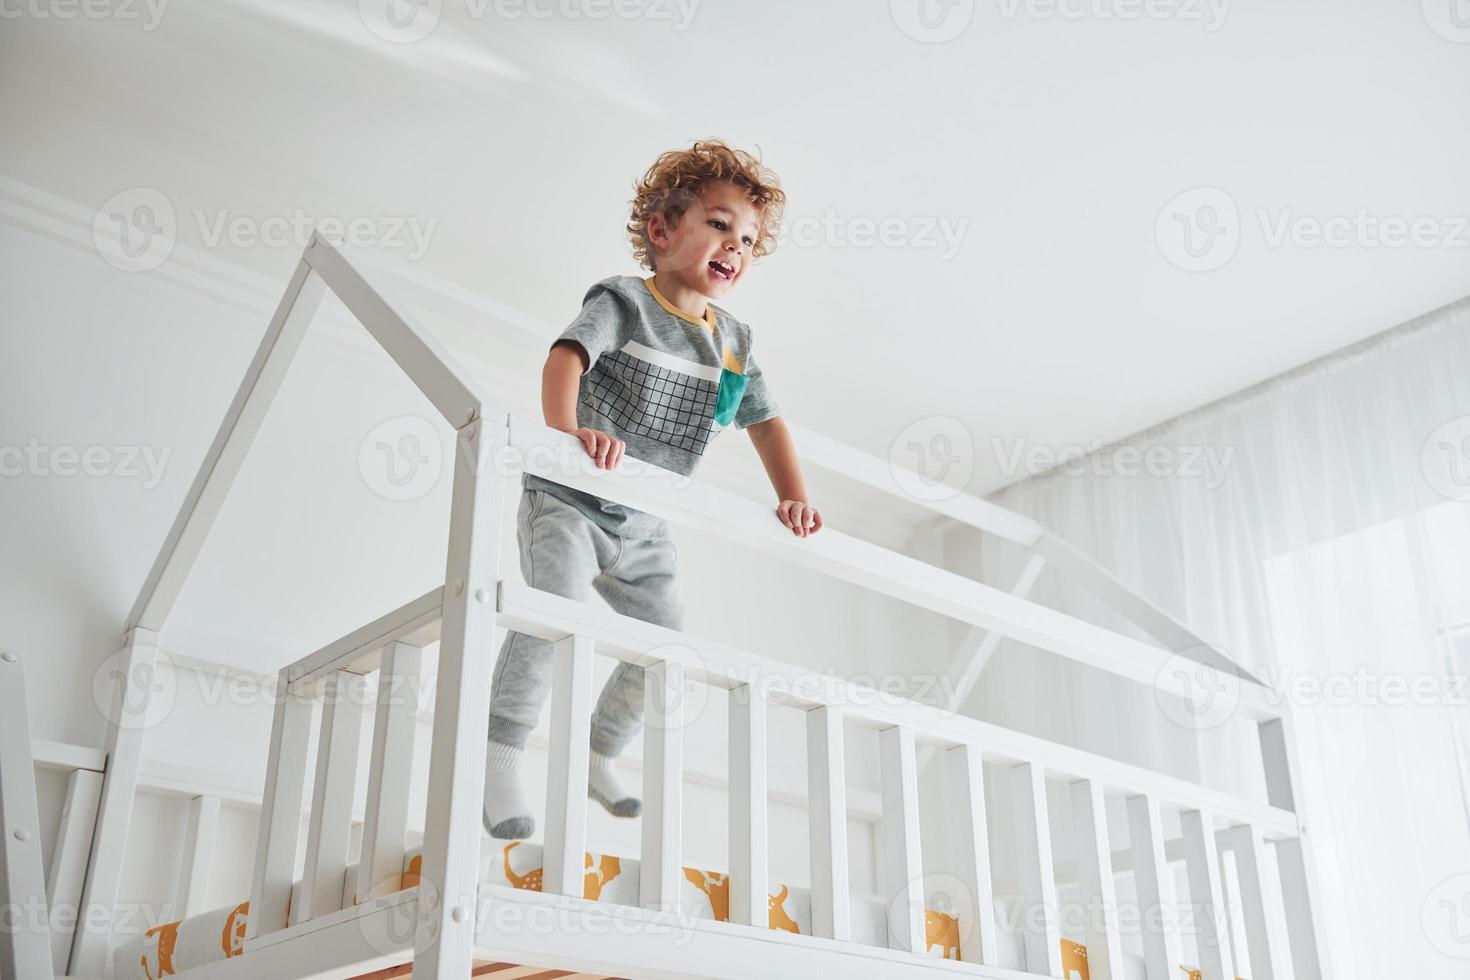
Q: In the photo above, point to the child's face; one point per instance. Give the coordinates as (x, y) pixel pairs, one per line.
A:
(710, 249)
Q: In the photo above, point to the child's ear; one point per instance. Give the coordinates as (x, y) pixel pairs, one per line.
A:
(659, 230)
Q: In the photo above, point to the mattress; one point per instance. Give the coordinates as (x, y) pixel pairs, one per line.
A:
(172, 947)
(219, 934)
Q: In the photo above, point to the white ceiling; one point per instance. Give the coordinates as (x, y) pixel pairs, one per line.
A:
(1055, 142)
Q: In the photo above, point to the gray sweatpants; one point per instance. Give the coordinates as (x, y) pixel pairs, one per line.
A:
(563, 551)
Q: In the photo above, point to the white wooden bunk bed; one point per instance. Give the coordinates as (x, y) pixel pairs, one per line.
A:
(462, 905)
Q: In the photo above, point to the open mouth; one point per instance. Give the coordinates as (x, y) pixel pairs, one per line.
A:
(723, 270)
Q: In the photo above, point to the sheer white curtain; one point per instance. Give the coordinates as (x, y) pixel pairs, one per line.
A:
(1334, 548)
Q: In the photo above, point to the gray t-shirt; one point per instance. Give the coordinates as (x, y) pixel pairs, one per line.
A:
(660, 380)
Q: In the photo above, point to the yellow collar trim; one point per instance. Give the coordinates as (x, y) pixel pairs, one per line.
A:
(709, 322)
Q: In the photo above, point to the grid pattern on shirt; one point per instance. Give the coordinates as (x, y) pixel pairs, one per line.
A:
(652, 401)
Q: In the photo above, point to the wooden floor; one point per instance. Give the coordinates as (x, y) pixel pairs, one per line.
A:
(494, 971)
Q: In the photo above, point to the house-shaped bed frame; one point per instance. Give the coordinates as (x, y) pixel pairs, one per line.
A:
(439, 924)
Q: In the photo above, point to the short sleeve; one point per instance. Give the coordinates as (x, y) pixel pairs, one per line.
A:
(603, 325)
(756, 405)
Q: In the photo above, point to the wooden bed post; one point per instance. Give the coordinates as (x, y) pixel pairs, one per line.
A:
(126, 726)
(24, 950)
(1307, 937)
(445, 928)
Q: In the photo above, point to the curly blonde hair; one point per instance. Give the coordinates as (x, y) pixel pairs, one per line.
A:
(678, 177)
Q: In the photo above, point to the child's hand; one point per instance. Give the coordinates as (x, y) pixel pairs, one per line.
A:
(605, 450)
(802, 518)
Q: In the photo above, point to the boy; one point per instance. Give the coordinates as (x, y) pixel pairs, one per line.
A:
(653, 368)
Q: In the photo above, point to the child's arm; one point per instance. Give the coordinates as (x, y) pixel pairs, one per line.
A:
(560, 379)
(773, 443)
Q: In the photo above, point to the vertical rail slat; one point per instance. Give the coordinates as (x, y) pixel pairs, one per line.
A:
(330, 831)
(1202, 865)
(749, 885)
(1036, 872)
(448, 888)
(385, 820)
(196, 855)
(1095, 878)
(1150, 872)
(127, 724)
(663, 785)
(827, 790)
(1305, 928)
(566, 787)
(1264, 938)
(69, 859)
(901, 860)
(969, 827)
(280, 813)
(24, 951)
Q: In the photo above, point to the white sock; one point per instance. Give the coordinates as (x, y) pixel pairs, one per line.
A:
(603, 786)
(507, 814)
